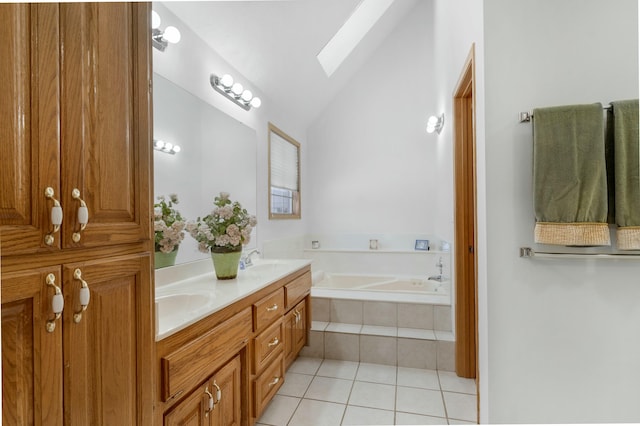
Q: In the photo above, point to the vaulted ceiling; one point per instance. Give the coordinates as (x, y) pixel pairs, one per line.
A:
(275, 43)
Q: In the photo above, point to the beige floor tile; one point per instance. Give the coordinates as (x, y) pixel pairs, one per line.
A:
(377, 373)
(329, 389)
(449, 381)
(305, 365)
(461, 406)
(279, 410)
(367, 416)
(318, 413)
(417, 419)
(338, 369)
(420, 401)
(373, 395)
(418, 378)
(295, 384)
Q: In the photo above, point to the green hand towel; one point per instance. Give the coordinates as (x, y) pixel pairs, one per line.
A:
(569, 176)
(626, 139)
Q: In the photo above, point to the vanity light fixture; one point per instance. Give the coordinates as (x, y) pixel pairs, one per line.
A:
(234, 91)
(161, 38)
(435, 123)
(166, 147)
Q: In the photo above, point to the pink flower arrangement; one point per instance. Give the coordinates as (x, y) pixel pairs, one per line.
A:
(227, 226)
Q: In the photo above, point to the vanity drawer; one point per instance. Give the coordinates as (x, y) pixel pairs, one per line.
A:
(267, 384)
(268, 309)
(297, 289)
(267, 346)
(185, 368)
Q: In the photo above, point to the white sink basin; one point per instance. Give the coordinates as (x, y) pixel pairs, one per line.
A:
(181, 302)
(266, 267)
(174, 309)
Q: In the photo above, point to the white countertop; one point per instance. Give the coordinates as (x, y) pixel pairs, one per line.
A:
(189, 292)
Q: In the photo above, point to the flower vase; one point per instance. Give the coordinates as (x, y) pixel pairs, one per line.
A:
(163, 260)
(225, 261)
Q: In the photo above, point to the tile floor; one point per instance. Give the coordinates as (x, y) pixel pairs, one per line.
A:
(331, 393)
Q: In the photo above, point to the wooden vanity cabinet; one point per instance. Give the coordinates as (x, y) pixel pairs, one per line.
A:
(75, 113)
(253, 335)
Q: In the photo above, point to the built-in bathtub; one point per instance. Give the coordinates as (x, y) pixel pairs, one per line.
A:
(401, 289)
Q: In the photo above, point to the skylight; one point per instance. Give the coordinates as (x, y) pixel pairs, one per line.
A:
(351, 33)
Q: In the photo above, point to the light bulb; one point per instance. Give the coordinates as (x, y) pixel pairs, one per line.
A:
(159, 144)
(247, 95)
(155, 19)
(168, 146)
(430, 128)
(433, 120)
(176, 148)
(237, 89)
(171, 34)
(226, 81)
(255, 102)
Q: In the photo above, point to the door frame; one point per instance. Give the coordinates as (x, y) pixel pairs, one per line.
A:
(465, 222)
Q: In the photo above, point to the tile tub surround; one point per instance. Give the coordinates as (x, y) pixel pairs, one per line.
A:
(334, 392)
(397, 334)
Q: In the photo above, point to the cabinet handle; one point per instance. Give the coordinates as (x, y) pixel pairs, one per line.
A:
(85, 295)
(57, 303)
(211, 405)
(272, 308)
(274, 381)
(56, 216)
(218, 391)
(297, 314)
(274, 342)
(83, 214)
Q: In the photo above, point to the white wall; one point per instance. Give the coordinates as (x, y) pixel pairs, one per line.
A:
(371, 163)
(563, 335)
(189, 64)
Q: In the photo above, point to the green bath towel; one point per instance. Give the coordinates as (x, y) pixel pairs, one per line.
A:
(625, 116)
(569, 176)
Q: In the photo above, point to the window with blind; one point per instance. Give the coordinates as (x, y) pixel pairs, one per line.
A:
(284, 175)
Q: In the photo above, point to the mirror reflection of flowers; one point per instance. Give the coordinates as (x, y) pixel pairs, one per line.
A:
(227, 226)
(168, 224)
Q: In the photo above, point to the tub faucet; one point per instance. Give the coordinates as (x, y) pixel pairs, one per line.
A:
(246, 258)
(438, 277)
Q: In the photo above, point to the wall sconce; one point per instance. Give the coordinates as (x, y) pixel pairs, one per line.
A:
(234, 91)
(159, 38)
(166, 147)
(435, 123)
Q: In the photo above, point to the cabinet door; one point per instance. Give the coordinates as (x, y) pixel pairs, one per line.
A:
(31, 355)
(29, 125)
(106, 138)
(227, 411)
(289, 337)
(191, 411)
(108, 349)
(300, 329)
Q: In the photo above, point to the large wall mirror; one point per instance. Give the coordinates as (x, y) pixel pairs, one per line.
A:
(218, 153)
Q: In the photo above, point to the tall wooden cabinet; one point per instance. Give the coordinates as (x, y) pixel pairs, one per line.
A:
(75, 207)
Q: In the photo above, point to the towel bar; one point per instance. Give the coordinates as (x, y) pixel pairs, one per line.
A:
(527, 116)
(528, 252)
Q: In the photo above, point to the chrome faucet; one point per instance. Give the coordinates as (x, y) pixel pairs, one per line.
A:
(439, 277)
(246, 258)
